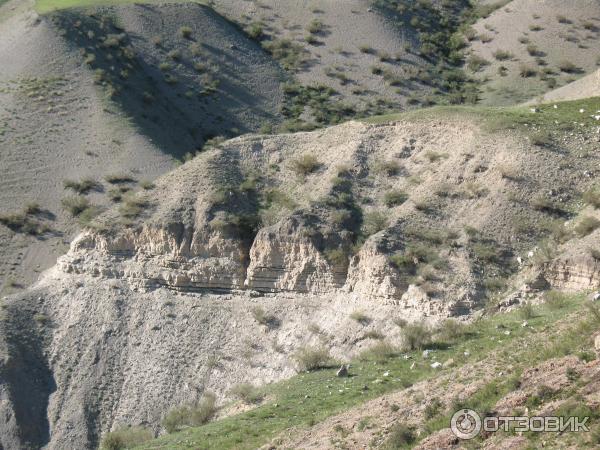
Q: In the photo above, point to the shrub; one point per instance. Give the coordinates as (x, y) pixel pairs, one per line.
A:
(389, 168)
(476, 63)
(373, 223)
(75, 204)
(288, 53)
(450, 330)
(527, 311)
(336, 256)
(400, 436)
(190, 415)
(592, 197)
(83, 186)
(367, 49)
(586, 226)
(433, 156)
(174, 54)
(305, 165)
(185, 32)
(379, 352)
(568, 67)
(502, 55)
(119, 179)
(125, 438)
(433, 408)
(360, 317)
(541, 139)
(527, 71)
(416, 336)
(555, 299)
(255, 30)
(562, 19)
(263, 317)
(247, 393)
(312, 358)
(316, 26)
(147, 185)
(132, 207)
(394, 198)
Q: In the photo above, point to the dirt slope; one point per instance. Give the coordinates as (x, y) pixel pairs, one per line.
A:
(540, 36)
(62, 118)
(588, 86)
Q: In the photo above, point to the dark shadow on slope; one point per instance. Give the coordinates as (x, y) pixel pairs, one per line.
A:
(25, 376)
(179, 91)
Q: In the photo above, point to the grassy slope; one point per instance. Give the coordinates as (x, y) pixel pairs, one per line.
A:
(45, 6)
(565, 116)
(310, 397)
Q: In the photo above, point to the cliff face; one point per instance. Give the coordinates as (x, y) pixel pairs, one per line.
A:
(574, 273)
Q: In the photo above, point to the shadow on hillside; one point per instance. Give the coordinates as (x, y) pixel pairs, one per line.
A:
(168, 94)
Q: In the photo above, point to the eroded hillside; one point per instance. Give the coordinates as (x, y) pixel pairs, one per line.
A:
(263, 246)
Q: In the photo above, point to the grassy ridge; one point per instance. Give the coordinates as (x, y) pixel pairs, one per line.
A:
(567, 115)
(309, 398)
(46, 6)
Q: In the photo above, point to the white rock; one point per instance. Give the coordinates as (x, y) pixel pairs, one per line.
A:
(412, 366)
(524, 324)
(467, 354)
(507, 332)
(426, 354)
(582, 110)
(436, 365)
(386, 374)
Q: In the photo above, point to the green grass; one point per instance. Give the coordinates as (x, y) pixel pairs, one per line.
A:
(309, 398)
(46, 6)
(498, 118)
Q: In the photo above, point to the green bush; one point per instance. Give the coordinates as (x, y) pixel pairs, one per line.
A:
(264, 318)
(555, 299)
(360, 317)
(592, 197)
(247, 393)
(527, 311)
(255, 30)
(316, 26)
(400, 436)
(450, 330)
(378, 352)
(119, 178)
(502, 55)
(125, 438)
(83, 186)
(75, 204)
(305, 165)
(374, 222)
(416, 336)
(527, 71)
(586, 225)
(190, 415)
(185, 32)
(394, 198)
(568, 67)
(476, 63)
(312, 358)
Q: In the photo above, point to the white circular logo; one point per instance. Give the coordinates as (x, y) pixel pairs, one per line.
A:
(465, 424)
